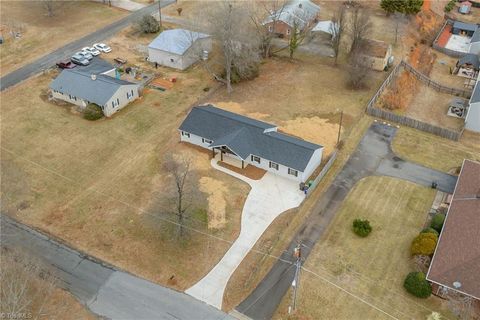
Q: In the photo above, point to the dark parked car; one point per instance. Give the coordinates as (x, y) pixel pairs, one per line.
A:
(67, 64)
(80, 59)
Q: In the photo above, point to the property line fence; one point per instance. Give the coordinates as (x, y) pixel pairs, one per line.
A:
(449, 52)
(323, 172)
(407, 121)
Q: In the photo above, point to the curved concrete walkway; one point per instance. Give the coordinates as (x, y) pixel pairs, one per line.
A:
(267, 199)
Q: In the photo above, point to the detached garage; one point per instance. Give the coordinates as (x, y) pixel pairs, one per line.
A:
(179, 48)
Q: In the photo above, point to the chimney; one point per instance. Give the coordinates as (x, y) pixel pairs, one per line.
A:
(300, 5)
(94, 77)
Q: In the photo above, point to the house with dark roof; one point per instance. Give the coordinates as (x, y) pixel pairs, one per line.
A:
(94, 84)
(455, 265)
(472, 119)
(301, 14)
(468, 66)
(475, 42)
(179, 48)
(251, 142)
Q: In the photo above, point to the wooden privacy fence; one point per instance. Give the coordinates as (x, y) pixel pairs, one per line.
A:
(410, 122)
(322, 173)
(449, 52)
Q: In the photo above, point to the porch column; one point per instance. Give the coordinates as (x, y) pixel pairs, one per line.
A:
(213, 152)
(221, 155)
(242, 165)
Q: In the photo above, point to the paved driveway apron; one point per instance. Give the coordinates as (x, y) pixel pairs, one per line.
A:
(267, 199)
(373, 156)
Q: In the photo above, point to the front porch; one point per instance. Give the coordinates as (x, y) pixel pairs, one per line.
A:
(224, 154)
(232, 162)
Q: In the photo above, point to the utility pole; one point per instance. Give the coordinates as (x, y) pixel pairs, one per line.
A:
(340, 127)
(297, 253)
(160, 14)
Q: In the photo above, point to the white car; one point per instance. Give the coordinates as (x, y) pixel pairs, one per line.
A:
(102, 47)
(85, 54)
(94, 52)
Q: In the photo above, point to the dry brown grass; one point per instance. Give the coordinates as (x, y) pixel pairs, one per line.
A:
(97, 185)
(42, 34)
(372, 269)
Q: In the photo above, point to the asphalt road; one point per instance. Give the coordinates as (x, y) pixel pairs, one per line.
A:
(105, 290)
(373, 156)
(68, 50)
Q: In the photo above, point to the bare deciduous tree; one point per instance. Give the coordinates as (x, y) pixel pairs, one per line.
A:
(50, 6)
(359, 70)
(360, 26)
(229, 24)
(337, 30)
(27, 286)
(183, 193)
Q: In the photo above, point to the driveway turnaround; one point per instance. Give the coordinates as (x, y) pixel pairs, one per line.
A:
(267, 199)
(106, 291)
(128, 5)
(373, 156)
(66, 51)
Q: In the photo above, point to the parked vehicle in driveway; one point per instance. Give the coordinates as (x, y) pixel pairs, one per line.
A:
(66, 64)
(80, 59)
(86, 55)
(102, 47)
(94, 52)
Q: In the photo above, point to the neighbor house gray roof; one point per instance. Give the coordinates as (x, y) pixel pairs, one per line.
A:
(245, 136)
(96, 66)
(476, 36)
(476, 93)
(465, 26)
(176, 41)
(81, 85)
(296, 11)
(471, 59)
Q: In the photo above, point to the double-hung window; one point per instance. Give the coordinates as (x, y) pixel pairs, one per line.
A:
(273, 165)
(206, 141)
(293, 172)
(185, 134)
(255, 159)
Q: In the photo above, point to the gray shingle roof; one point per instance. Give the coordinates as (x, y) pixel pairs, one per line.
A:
(80, 84)
(471, 59)
(465, 26)
(476, 36)
(176, 41)
(476, 93)
(299, 11)
(96, 66)
(246, 136)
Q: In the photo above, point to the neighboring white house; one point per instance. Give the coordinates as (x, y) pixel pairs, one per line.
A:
(179, 48)
(251, 142)
(81, 86)
(472, 120)
(475, 42)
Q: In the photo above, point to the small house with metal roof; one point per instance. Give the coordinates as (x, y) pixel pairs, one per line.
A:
(250, 142)
(179, 48)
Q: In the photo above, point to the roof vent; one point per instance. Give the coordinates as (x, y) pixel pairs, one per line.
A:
(457, 285)
(300, 5)
(93, 76)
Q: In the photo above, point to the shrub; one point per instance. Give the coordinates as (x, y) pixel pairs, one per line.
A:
(430, 230)
(424, 244)
(437, 222)
(92, 112)
(450, 5)
(361, 228)
(416, 284)
(148, 24)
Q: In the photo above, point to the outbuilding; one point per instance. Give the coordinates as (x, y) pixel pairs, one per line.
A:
(179, 48)
(376, 54)
(468, 66)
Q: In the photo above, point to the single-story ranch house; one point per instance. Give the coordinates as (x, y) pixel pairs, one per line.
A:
(455, 265)
(303, 13)
(179, 48)
(94, 84)
(250, 141)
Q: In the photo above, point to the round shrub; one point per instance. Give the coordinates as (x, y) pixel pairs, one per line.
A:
(148, 24)
(437, 222)
(416, 284)
(424, 244)
(361, 228)
(92, 112)
(430, 230)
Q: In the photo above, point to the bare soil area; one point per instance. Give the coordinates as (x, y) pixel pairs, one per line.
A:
(41, 34)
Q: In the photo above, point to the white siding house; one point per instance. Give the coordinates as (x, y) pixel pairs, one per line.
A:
(475, 42)
(472, 120)
(251, 142)
(178, 48)
(82, 87)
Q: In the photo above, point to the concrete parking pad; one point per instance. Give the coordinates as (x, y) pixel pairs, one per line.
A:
(268, 198)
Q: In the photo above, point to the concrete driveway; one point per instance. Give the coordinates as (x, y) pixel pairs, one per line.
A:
(128, 5)
(267, 199)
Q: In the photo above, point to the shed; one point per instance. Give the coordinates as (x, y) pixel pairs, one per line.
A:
(179, 48)
(376, 54)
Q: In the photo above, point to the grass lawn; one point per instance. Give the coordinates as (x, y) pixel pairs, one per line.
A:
(97, 185)
(372, 268)
(436, 152)
(41, 34)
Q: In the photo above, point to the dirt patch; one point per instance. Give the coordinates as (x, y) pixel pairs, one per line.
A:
(216, 191)
(249, 171)
(315, 129)
(237, 108)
